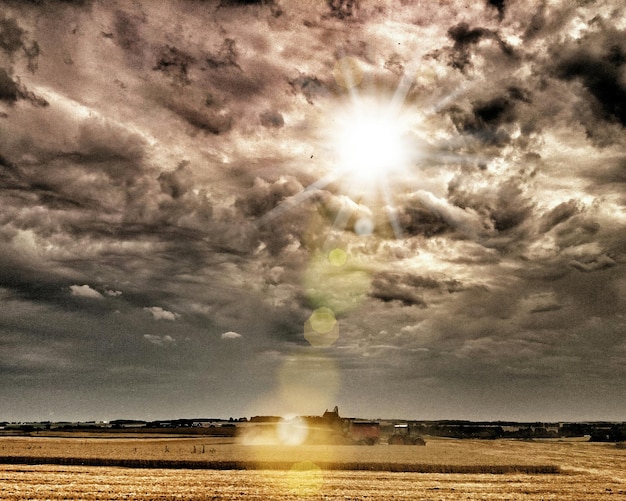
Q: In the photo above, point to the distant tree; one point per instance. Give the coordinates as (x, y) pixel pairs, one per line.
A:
(575, 429)
(618, 433)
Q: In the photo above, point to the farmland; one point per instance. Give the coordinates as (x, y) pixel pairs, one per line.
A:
(456, 469)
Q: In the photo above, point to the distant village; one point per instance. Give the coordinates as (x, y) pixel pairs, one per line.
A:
(331, 428)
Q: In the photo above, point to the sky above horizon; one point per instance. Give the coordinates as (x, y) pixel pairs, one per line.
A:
(409, 209)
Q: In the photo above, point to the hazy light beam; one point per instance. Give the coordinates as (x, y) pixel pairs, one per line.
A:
(298, 198)
(391, 210)
(403, 88)
(339, 224)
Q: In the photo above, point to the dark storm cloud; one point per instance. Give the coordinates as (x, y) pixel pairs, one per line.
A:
(162, 200)
(175, 63)
(499, 5)
(559, 214)
(105, 160)
(264, 196)
(389, 287)
(203, 118)
(343, 9)
(225, 56)
(72, 2)
(271, 118)
(492, 112)
(11, 36)
(12, 90)
(9, 91)
(601, 262)
(504, 205)
(242, 3)
(406, 288)
(127, 33)
(491, 120)
(484, 121)
(48, 3)
(416, 219)
(99, 140)
(545, 21)
(309, 86)
(29, 282)
(232, 83)
(601, 72)
(465, 38)
(176, 183)
(271, 6)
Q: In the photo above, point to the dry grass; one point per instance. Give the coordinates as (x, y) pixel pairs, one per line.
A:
(229, 449)
(589, 471)
(88, 483)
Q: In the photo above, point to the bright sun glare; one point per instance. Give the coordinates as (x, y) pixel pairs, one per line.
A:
(371, 144)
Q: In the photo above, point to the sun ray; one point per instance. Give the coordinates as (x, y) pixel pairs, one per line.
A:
(391, 211)
(339, 224)
(437, 106)
(451, 158)
(298, 198)
(373, 144)
(403, 88)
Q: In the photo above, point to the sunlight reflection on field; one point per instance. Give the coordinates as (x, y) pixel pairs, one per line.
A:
(56, 482)
(590, 471)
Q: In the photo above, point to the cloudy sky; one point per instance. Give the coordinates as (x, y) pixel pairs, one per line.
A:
(409, 209)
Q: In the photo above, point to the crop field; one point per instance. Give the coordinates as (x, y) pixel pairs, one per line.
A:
(443, 470)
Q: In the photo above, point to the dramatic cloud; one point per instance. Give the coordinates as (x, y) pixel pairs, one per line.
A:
(442, 180)
(159, 313)
(85, 291)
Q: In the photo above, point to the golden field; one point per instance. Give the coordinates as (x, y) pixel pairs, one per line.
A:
(588, 471)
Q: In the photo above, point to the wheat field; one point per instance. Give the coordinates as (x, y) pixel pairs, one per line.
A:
(587, 471)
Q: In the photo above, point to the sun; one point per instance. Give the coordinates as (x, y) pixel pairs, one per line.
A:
(371, 144)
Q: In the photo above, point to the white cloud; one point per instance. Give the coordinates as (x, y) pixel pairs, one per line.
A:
(231, 335)
(113, 293)
(159, 313)
(159, 340)
(85, 291)
(465, 220)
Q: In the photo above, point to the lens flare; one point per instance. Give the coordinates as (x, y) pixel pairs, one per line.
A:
(321, 329)
(340, 288)
(347, 72)
(292, 431)
(337, 257)
(364, 226)
(323, 320)
(305, 480)
(308, 382)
